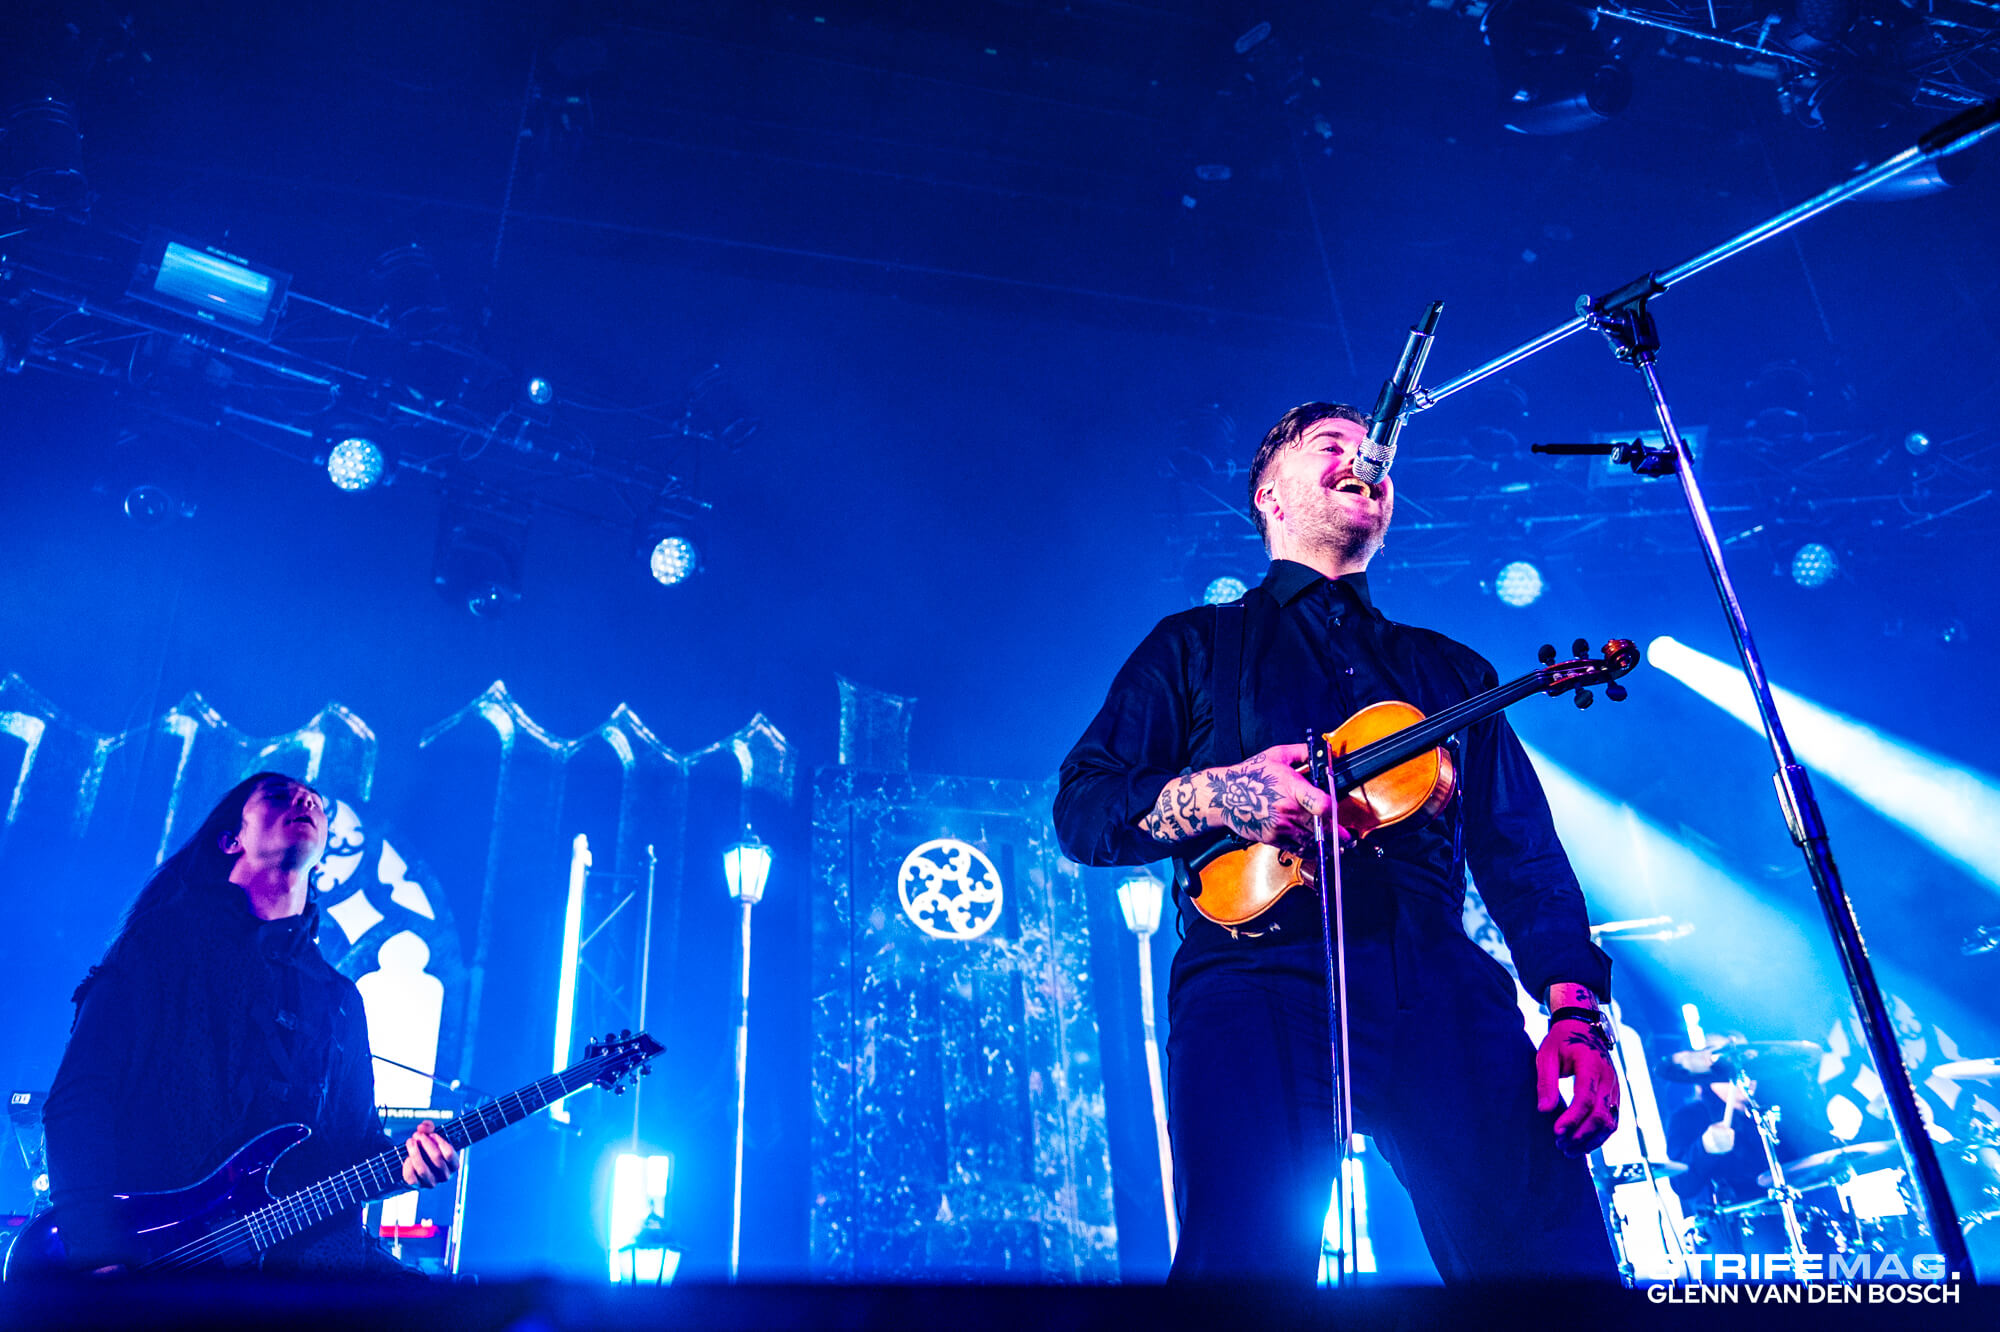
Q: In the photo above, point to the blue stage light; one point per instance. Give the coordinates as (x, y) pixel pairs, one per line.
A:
(354, 464)
(1224, 589)
(674, 560)
(1630, 867)
(1949, 806)
(541, 392)
(1519, 584)
(1814, 565)
(641, 1252)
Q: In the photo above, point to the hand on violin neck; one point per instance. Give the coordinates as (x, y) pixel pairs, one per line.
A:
(1262, 799)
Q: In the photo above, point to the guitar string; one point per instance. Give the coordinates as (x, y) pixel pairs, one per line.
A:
(256, 1225)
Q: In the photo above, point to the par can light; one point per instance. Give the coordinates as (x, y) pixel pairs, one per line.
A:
(354, 464)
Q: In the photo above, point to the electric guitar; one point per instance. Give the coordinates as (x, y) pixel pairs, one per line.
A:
(1386, 765)
(230, 1218)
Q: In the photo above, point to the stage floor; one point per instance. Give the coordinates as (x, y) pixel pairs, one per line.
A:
(550, 1306)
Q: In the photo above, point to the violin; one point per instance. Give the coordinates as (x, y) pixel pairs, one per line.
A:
(1387, 764)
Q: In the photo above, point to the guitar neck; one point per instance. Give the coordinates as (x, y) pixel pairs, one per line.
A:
(382, 1174)
(1352, 769)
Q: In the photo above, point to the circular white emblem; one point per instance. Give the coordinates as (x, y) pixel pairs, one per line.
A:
(950, 889)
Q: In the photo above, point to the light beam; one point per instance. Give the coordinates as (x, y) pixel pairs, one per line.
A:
(1951, 807)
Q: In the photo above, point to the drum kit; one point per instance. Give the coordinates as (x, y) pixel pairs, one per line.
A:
(1849, 1199)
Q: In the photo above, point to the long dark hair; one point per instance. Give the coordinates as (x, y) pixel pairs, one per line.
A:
(200, 858)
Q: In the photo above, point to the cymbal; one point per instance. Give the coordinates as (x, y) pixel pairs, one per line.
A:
(1634, 1172)
(1822, 1166)
(1729, 1059)
(1968, 1068)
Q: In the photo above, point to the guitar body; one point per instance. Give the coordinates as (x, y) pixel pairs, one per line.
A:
(156, 1224)
(231, 1219)
(1240, 883)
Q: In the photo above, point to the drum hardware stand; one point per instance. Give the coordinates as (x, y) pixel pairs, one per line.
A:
(1781, 1193)
(1333, 934)
(1623, 317)
(1674, 1240)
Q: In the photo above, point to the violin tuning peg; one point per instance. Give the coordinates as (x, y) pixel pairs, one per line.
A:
(1615, 692)
(1546, 654)
(1580, 648)
(1584, 699)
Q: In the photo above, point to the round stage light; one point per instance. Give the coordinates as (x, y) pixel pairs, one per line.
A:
(541, 392)
(1519, 584)
(1916, 443)
(354, 464)
(1814, 565)
(673, 560)
(1224, 589)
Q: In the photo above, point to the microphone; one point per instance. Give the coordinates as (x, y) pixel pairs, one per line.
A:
(1372, 461)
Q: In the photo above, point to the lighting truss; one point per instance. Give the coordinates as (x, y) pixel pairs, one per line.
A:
(1960, 67)
(311, 373)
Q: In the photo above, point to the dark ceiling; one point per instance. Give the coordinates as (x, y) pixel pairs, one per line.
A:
(1001, 245)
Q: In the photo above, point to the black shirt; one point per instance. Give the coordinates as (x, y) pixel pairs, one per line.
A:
(203, 1027)
(1314, 652)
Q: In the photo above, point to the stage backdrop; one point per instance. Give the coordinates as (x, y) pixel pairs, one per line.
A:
(959, 1101)
(457, 967)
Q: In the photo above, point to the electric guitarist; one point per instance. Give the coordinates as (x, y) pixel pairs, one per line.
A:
(212, 1018)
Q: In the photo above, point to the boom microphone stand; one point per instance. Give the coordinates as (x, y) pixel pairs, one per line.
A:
(1624, 318)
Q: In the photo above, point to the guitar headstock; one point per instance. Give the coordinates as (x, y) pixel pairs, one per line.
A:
(1618, 657)
(624, 1055)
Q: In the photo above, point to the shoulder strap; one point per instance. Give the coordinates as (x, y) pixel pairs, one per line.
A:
(1225, 684)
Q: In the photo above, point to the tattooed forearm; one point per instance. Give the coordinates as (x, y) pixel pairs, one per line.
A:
(1586, 1036)
(1178, 814)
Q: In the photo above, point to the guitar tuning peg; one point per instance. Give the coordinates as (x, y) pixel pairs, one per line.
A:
(1580, 648)
(1584, 699)
(625, 1035)
(1615, 692)
(1546, 654)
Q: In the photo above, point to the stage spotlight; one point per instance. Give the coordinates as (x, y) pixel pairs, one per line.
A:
(541, 392)
(44, 151)
(412, 292)
(1916, 443)
(1556, 75)
(1519, 584)
(1946, 804)
(478, 557)
(149, 506)
(1223, 589)
(1814, 565)
(674, 559)
(354, 464)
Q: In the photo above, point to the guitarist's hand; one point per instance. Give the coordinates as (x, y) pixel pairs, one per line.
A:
(427, 1158)
(1262, 799)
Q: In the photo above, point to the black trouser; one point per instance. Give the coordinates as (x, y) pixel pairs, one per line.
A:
(1444, 1083)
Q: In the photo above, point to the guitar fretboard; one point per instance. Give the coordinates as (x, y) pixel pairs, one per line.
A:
(381, 1175)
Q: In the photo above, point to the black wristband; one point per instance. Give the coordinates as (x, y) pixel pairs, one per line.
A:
(1594, 1016)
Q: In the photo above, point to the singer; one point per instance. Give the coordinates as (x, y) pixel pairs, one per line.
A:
(1463, 1107)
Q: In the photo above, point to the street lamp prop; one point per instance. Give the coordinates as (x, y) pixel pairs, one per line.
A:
(746, 866)
(1139, 898)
